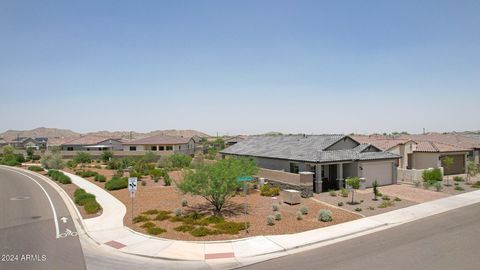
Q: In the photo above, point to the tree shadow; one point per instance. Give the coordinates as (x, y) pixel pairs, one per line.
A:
(230, 209)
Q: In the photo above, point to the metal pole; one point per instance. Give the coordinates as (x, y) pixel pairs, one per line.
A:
(131, 195)
(245, 202)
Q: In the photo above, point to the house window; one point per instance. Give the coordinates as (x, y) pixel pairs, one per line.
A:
(161, 148)
(133, 148)
(169, 148)
(69, 148)
(294, 167)
(154, 148)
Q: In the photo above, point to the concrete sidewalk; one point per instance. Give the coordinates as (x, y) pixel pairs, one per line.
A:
(108, 230)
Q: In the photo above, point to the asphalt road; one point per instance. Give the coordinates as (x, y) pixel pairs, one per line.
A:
(446, 241)
(28, 235)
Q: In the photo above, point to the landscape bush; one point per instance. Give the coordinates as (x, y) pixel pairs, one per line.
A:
(86, 174)
(184, 228)
(459, 188)
(179, 160)
(82, 157)
(83, 198)
(155, 230)
(52, 160)
(269, 191)
(163, 215)
(87, 200)
(107, 155)
(303, 210)
(275, 207)
(59, 177)
(340, 203)
(325, 215)
(431, 176)
(386, 204)
(278, 216)
(229, 227)
(100, 178)
(270, 220)
(184, 202)
(140, 218)
(92, 207)
(117, 183)
(458, 179)
(178, 212)
(201, 231)
(36, 168)
(148, 224)
(438, 186)
(358, 209)
(332, 193)
(344, 192)
(476, 184)
(299, 215)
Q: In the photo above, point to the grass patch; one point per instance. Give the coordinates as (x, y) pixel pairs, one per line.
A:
(35, 169)
(155, 230)
(140, 218)
(184, 228)
(163, 215)
(150, 212)
(148, 224)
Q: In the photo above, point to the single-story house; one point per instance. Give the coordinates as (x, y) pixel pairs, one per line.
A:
(29, 142)
(161, 144)
(402, 147)
(430, 154)
(91, 143)
(331, 158)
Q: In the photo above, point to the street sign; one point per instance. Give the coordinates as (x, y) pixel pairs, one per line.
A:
(244, 178)
(132, 184)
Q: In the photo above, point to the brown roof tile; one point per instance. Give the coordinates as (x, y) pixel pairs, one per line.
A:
(160, 140)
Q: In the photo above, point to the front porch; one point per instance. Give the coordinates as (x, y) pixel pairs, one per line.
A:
(331, 176)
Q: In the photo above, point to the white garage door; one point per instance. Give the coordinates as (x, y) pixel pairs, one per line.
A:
(380, 171)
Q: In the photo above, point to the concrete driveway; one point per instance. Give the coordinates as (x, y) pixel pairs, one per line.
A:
(411, 193)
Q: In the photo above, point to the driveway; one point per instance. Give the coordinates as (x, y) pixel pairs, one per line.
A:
(411, 193)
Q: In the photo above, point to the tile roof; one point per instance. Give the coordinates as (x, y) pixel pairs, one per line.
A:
(159, 139)
(310, 148)
(436, 147)
(85, 140)
(384, 144)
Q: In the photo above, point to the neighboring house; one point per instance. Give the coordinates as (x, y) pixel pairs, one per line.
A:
(331, 158)
(402, 147)
(91, 143)
(233, 140)
(430, 154)
(29, 142)
(161, 144)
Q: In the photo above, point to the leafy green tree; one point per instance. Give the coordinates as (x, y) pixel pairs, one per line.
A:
(472, 170)
(180, 160)
(106, 155)
(219, 143)
(82, 157)
(9, 157)
(354, 183)
(212, 153)
(149, 157)
(217, 183)
(447, 162)
(52, 160)
(164, 162)
(30, 151)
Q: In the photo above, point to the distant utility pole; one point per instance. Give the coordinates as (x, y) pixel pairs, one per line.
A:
(423, 130)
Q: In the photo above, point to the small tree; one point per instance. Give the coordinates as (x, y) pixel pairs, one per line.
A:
(52, 160)
(447, 162)
(472, 170)
(375, 189)
(354, 183)
(30, 151)
(217, 183)
(106, 155)
(180, 160)
(82, 157)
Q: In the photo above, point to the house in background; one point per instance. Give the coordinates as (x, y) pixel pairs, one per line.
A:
(29, 142)
(430, 155)
(402, 147)
(233, 140)
(161, 144)
(328, 158)
(91, 143)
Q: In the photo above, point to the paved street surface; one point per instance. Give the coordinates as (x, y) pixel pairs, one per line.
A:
(446, 241)
(27, 226)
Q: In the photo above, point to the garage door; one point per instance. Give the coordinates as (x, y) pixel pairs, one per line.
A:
(458, 166)
(380, 171)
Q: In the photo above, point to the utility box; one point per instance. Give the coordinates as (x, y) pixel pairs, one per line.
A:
(291, 196)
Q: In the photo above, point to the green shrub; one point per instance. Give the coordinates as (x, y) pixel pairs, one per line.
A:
(270, 220)
(59, 176)
(275, 207)
(432, 175)
(184, 202)
(397, 199)
(476, 184)
(344, 192)
(358, 209)
(269, 191)
(155, 230)
(299, 215)
(385, 198)
(117, 183)
(83, 198)
(150, 212)
(214, 219)
(178, 212)
(325, 215)
(79, 191)
(426, 185)
(459, 188)
(229, 227)
(163, 215)
(201, 231)
(303, 210)
(180, 160)
(166, 180)
(184, 228)
(100, 178)
(140, 218)
(148, 224)
(386, 204)
(86, 174)
(340, 203)
(82, 157)
(278, 216)
(438, 186)
(371, 208)
(92, 207)
(36, 168)
(458, 179)
(332, 193)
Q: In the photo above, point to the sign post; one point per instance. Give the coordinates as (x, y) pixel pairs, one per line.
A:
(132, 187)
(244, 179)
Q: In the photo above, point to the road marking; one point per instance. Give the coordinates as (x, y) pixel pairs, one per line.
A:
(64, 219)
(57, 231)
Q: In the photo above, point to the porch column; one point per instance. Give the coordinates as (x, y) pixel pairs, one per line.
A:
(317, 186)
(339, 175)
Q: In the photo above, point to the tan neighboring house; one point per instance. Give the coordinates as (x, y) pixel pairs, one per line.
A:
(430, 154)
(401, 147)
(161, 144)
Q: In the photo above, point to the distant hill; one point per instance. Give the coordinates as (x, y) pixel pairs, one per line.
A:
(65, 133)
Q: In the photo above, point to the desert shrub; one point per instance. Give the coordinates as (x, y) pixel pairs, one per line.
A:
(385, 198)
(155, 230)
(340, 203)
(426, 185)
(148, 224)
(303, 210)
(344, 192)
(278, 216)
(92, 207)
(201, 231)
(230, 227)
(332, 193)
(140, 218)
(184, 228)
(299, 215)
(150, 212)
(458, 179)
(476, 184)
(116, 183)
(275, 207)
(164, 162)
(358, 209)
(97, 166)
(417, 183)
(136, 174)
(184, 202)
(79, 191)
(52, 160)
(270, 220)
(178, 212)
(36, 168)
(59, 176)
(371, 208)
(214, 219)
(155, 174)
(88, 173)
(386, 204)
(459, 188)
(397, 199)
(106, 155)
(432, 175)
(438, 186)
(163, 215)
(100, 178)
(166, 180)
(36, 157)
(325, 215)
(269, 191)
(83, 198)
(180, 160)
(82, 157)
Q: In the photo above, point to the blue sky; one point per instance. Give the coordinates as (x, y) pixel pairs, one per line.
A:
(240, 66)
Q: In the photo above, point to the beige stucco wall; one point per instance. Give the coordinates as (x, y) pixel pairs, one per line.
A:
(286, 177)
